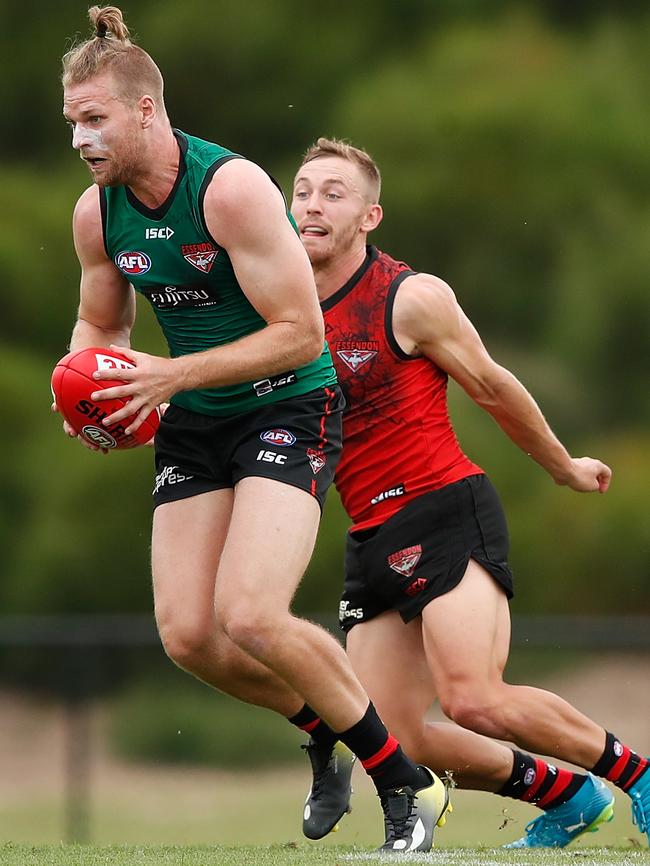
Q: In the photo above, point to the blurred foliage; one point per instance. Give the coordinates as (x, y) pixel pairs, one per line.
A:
(175, 719)
(513, 141)
(163, 716)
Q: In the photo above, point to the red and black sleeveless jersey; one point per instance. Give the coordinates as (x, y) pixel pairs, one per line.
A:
(398, 442)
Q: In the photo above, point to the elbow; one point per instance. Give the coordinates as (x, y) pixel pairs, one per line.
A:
(311, 344)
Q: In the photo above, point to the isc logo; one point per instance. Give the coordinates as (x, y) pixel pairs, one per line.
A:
(271, 457)
(163, 233)
(133, 263)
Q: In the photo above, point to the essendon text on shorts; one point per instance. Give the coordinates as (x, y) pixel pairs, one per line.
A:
(404, 561)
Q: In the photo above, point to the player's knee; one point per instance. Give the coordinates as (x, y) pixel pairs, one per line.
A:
(472, 709)
(254, 632)
(185, 642)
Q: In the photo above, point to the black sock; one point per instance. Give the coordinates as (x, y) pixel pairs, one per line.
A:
(309, 722)
(535, 781)
(619, 764)
(381, 754)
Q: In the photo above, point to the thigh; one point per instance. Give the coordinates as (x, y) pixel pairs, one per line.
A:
(269, 544)
(388, 658)
(187, 543)
(467, 630)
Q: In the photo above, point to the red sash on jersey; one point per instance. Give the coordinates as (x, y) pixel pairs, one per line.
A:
(398, 442)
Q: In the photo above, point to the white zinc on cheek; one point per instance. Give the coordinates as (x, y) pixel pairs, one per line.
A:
(83, 136)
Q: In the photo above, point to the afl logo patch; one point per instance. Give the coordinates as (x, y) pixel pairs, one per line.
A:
(278, 436)
(133, 263)
(529, 776)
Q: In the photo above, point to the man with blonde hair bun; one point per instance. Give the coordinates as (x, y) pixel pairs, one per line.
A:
(248, 446)
(427, 583)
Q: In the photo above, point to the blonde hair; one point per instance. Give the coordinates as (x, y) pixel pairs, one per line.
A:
(110, 49)
(345, 150)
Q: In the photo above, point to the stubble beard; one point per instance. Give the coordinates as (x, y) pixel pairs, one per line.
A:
(125, 164)
(337, 248)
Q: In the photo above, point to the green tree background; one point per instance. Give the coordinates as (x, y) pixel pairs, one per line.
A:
(513, 138)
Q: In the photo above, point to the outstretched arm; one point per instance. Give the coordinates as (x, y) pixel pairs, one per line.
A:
(428, 321)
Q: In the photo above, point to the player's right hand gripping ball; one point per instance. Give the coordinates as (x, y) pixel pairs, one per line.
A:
(72, 386)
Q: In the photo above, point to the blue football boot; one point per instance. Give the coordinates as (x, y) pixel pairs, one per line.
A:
(591, 806)
(640, 795)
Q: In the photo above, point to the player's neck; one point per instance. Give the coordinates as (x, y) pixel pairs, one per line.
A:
(334, 274)
(156, 179)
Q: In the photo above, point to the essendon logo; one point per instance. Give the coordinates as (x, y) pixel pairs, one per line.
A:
(133, 263)
(200, 256)
(357, 355)
(316, 460)
(404, 561)
(417, 586)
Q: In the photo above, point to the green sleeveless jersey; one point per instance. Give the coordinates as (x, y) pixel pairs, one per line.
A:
(169, 256)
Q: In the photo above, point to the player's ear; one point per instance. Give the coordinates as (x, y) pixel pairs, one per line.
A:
(373, 217)
(147, 110)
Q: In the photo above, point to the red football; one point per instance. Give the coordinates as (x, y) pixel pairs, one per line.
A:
(72, 385)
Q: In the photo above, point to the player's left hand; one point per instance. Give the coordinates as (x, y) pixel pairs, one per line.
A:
(588, 475)
(151, 381)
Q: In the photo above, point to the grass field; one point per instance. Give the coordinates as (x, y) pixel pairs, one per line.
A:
(302, 855)
(142, 814)
(263, 810)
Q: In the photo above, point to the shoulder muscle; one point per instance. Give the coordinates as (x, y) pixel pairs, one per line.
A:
(426, 311)
(87, 227)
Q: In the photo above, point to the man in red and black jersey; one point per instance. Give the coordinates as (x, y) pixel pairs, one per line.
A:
(425, 603)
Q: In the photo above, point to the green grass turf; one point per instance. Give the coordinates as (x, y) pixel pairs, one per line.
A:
(301, 855)
(190, 818)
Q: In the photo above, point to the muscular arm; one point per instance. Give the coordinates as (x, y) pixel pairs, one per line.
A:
(246, 215)
(427, 320)
(107, 301)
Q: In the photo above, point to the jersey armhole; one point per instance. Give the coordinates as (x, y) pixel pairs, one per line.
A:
(388, 317)
(210, 173)
(206, 182)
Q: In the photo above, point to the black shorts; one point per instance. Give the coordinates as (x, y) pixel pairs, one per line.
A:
(423, 551)
(296, 441)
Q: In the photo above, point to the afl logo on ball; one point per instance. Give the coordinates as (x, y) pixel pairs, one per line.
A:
(133, 263)
(278, 436)
(98, 436)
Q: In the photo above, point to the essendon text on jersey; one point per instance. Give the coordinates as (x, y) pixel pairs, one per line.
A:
(392, 492)
(201, 256)
(356, 353)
